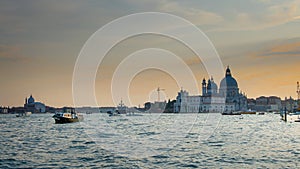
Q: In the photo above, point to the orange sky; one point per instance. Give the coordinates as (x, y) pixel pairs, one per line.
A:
(40, 42)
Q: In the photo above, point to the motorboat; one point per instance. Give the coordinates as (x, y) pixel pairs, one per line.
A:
(261, 113)
(113, 113)
(67, 116)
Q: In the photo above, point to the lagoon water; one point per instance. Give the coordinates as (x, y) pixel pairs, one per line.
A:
(150, 141)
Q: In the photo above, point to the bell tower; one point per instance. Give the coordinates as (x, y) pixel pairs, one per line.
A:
(204, 92)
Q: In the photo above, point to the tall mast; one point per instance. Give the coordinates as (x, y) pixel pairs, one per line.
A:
(298, 95)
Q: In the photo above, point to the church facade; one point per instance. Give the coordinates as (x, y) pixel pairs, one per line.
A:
(227, 98)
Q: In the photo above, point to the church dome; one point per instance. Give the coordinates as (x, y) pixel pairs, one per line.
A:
(213, 85)
(31, 99)
(228, 81)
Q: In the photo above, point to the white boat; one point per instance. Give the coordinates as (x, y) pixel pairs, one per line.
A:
(133, 114)
(25, 114)
(260, 113)
(291, 117)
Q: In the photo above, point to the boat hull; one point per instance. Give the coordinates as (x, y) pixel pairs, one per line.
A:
(248, 112)
(62, 120)
(233, 113)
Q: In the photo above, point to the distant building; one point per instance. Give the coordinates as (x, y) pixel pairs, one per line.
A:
(226, 99)
(263, 103)
(35, 107)
(289, 104)
(4, 110)
(251, 104)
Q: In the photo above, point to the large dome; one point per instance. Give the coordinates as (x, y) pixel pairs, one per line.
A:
(228, 81)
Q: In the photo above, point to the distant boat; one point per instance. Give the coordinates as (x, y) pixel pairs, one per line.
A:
(133, 114)
(248, 112)
(122, 108)
(291, 117)
(260, 113)
(113, 113)
(231, 113)
(25, 114)
(68, 116)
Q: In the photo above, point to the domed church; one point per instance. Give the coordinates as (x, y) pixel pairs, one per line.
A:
(34, 107)
(225, 99)
(228, 90)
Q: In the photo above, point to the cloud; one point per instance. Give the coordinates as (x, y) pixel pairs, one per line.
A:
(286, 49)
(244, 16)
(270, 15)
(11, 53)
(195, 15)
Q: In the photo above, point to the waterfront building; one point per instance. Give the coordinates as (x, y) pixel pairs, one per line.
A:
(227, 98)
(289, 104)
(263, 103)
(32, 106)
(4, 110)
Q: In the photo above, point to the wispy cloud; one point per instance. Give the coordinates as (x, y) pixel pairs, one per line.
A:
(11, 53)
(196, 15)
(287, 49)
(271, 15)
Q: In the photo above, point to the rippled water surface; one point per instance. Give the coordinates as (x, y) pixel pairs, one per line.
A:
(150, 141)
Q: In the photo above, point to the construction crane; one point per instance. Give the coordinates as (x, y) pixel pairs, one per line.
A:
(158, 93)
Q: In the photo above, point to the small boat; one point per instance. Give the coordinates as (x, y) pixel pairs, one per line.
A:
(68, 116)
(113, 113)
(133, 114)
(231, 113)
(291, 117)
(25, 114)
(248, 112)
(122, 108)
(260, 113)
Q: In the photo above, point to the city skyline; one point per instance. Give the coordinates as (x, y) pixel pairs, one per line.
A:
(41, 40)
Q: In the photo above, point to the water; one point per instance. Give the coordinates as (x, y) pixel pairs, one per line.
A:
(150, 141)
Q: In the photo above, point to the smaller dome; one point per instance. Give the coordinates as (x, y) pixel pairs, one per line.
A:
(31, 99)
(214, 86)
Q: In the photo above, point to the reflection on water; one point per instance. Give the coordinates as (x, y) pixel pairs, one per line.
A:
(150, 141)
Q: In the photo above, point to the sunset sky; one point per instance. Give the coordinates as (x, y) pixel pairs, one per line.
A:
(41, 40)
